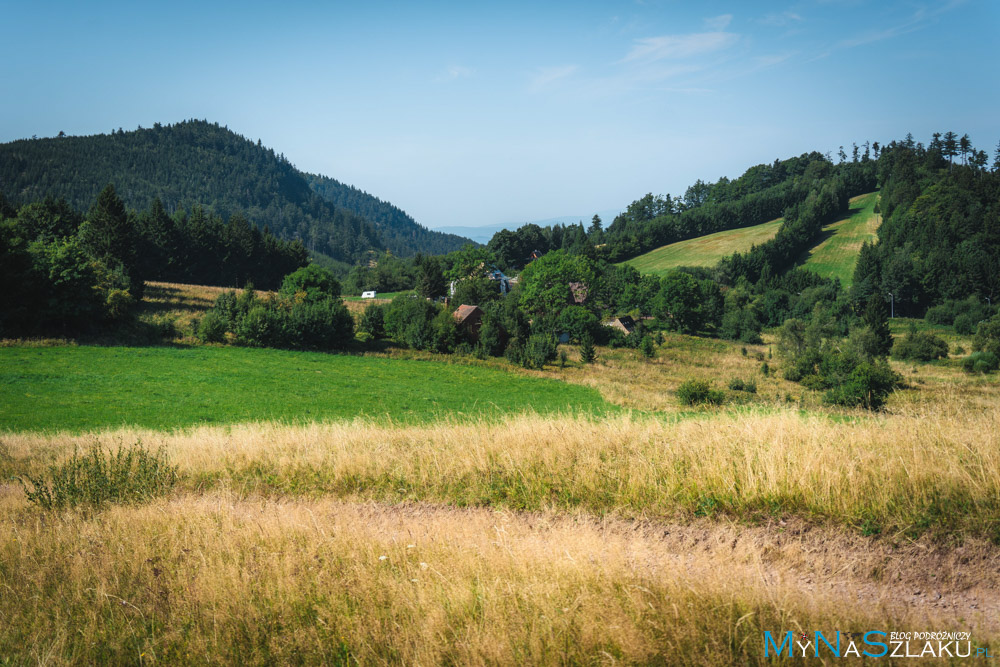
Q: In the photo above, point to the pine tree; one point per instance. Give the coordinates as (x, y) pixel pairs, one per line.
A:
(109, 234)
(876, 317)
(964, 146)
(430, 280)
(950, 146)
(587, 352)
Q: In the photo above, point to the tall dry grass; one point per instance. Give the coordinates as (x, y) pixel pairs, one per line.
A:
(923, 470)
(212, 579)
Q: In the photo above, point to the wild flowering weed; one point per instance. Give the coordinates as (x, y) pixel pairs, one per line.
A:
(130, 474)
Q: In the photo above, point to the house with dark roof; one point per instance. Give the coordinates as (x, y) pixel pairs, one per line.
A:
(469, 320)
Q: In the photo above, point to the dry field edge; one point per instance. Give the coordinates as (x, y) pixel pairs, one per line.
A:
(214, 579)
(912, 474)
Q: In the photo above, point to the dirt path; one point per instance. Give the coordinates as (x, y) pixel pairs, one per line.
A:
(945, 584)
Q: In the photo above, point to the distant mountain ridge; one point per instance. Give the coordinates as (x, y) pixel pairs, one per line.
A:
(483, 234)
(200, 163)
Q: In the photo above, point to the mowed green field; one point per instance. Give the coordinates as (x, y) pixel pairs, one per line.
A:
(704, 250)
(83, 388)
(837, 254)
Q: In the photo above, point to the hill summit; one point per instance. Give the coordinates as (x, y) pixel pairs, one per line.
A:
(200, 163)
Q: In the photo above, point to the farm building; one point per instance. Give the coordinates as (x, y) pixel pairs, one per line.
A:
(624, 324)
(469, 319)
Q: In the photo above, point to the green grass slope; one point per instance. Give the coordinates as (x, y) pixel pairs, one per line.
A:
(704, 250)
(836, 255)
(85, 387)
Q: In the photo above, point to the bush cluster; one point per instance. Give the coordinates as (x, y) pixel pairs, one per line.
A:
(306, 314)
(920, 346)
(981, 362)
(964, 314)
(738, 384)
(699, 392)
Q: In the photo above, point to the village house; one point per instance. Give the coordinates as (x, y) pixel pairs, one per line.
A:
(624, 324)
(469, 320)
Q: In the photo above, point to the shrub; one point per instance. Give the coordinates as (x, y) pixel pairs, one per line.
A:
(941, 314)
(131, 474)
(868, 386)
(578, 322)
(444, 332)
(699, 392)
(988, 336)
(310, 284)
(963, 324)
(409, 321)
(981, 362)
(262, 327)
(587, 352)
(320, 325)
(765, 369)
(920, 346)
(647, 348)
(212, 328)
(540, 349)
(373, 321)
(749, 386)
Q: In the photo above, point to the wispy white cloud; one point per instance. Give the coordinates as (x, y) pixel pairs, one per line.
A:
(649, 49)
(781, 19)
(453, 72)
(545, 76)
(719, 22)
(920, 19)
(761, 62)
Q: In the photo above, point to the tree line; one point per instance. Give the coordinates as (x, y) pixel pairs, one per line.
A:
(65, 271)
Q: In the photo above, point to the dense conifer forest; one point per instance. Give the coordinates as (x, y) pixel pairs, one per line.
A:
(196, 163)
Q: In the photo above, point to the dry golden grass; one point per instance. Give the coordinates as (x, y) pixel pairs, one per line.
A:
(538, 540)
(212, 579)
(918, 471)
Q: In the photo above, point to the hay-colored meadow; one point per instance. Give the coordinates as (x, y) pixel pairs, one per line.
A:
(654, 534)
(537, 540)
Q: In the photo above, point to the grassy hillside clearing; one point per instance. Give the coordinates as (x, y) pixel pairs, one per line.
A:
(833, 257)
(836, 255)
(85, 387)
(704, 250)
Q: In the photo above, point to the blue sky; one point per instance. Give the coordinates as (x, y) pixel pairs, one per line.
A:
(479, 113)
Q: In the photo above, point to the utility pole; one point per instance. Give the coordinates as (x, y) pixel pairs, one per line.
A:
(892, 306)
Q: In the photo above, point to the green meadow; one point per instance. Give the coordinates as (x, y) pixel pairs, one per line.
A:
(705, 250)
(837, 254)
(81, 388)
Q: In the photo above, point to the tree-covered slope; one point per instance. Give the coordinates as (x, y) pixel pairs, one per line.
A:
(199, 163)
(399, 231)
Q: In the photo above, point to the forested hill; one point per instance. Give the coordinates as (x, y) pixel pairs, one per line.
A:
(400, 232)
(200, 163)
